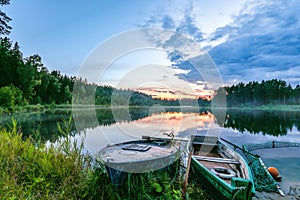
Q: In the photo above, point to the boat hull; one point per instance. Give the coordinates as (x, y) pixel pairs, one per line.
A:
(150, 156)
(217, 187)
(238, 187)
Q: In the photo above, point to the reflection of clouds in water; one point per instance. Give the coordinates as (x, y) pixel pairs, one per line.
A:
(178, 121)
(155, 125)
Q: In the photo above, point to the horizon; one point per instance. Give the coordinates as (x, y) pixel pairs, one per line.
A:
(246, 40)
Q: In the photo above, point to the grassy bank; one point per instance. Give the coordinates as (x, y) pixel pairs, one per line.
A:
(31, 170)
(268, 107)
(41, 108)
(33, 108)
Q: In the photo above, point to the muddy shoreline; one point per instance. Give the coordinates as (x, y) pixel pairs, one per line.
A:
(292, 194)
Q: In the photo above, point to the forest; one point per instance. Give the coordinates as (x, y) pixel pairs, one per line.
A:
(26, 81)
(270, 92)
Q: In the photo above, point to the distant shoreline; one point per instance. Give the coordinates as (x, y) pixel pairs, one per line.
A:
(41, 108)
(279, 107)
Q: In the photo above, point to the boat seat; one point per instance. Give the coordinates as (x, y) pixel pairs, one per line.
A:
(218, 160)
(204, 143)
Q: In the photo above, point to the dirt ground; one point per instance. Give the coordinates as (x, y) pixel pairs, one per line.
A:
(293, 193)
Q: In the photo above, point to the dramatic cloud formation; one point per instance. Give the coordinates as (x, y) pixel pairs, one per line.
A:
(261, 42)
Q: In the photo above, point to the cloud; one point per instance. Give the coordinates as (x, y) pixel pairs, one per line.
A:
(167, 22)
(189, 57)
(263, 43)
(189, 60)
(189, 28)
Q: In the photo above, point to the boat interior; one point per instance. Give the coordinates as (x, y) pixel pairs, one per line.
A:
(217, 158)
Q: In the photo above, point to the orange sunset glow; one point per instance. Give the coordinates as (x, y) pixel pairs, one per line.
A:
(163, 93)
(177, 121)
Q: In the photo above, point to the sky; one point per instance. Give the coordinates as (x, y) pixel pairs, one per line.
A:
(247, 40)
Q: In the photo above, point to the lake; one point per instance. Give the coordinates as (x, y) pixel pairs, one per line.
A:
(102, 126)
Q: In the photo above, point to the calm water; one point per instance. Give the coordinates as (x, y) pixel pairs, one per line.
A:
(100, 127)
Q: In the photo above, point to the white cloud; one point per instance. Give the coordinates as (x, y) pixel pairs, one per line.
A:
(248, 41)
(263, 39)
(194, 17)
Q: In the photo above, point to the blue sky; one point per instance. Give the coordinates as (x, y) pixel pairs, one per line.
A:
(65, 32)
(247, 40)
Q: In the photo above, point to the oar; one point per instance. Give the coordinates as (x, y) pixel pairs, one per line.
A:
(260, 160)
(244, 150)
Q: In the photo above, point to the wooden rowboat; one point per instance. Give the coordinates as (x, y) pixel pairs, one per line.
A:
(221, 170)
(138, 156)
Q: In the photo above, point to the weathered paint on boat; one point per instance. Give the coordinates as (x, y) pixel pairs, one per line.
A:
(238, 188)
(149, 155)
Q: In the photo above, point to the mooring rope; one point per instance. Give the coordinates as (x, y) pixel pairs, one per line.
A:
(239, 189)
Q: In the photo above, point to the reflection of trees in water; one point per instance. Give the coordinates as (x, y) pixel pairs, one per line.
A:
(106, 116)
(43, 122)
(271, 123)
(46, 122)
(265, 122)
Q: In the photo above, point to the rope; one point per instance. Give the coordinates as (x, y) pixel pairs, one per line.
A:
(239, 189)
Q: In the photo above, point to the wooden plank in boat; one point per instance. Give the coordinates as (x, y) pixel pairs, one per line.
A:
(204, 143)
(218, 160)
(204, 140)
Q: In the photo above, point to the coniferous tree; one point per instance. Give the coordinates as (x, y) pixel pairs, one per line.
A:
(4, 19)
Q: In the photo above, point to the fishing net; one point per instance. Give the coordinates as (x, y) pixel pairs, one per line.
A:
(273, 144)
(263, 181)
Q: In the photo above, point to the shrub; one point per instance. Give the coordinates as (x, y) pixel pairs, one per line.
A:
(11, 96)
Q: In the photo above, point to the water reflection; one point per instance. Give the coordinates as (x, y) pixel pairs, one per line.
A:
(142, 120)
(43, 122)
(182, 124)
(266, 122)
(46, 122)
(178, 122)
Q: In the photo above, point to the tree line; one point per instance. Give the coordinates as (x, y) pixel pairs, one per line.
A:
(27, 81)
(270, 92)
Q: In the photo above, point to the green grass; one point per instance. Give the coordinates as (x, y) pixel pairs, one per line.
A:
(33, 108)
(32, 170)
(29, 171)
